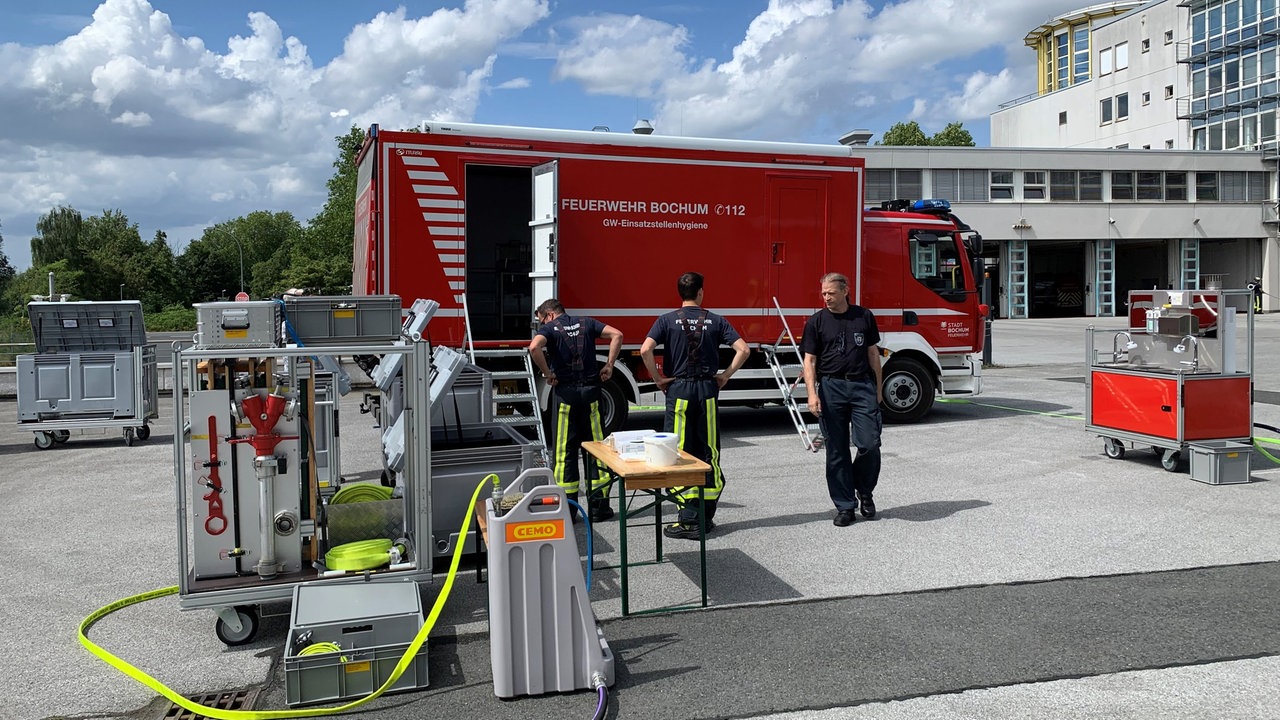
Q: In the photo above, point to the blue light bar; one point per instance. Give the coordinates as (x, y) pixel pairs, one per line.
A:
(931, 204)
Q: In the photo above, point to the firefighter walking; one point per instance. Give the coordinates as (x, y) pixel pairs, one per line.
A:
(575, 376)
(691, 338)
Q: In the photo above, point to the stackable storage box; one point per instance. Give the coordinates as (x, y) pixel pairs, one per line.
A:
(92, 361)
(1220, 462)
(372, 622)
(461, 456)
(343, 319)
(255, 323)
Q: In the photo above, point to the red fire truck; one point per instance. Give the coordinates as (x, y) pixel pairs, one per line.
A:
(489, 221)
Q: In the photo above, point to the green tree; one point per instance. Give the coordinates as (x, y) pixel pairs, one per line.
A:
(6, 270)
(211, 266)
(908, 133)
(953, 135)
(35, 281)
(58, 237)
(157, 271)
(112, 254)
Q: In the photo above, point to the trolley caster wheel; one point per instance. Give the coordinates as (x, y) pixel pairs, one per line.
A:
(143, 432)
(128, 437)
(44, 440)
(1170, 459)
(246, 616)
(61, 436)
(1114, 448)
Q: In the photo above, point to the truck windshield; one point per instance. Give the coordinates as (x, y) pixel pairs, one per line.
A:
(935, 263)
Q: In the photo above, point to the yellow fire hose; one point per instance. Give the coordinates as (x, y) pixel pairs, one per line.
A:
(219, 714)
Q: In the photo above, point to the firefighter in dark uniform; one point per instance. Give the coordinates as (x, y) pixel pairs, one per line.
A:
(1256, 287)
(691, 338)
(575, 377)
(843, 375)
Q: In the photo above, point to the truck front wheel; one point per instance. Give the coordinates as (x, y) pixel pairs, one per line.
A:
(908, 391)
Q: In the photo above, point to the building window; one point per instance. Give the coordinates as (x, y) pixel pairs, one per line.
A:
(1062, 185)
(1062, 59)
(1001, 184)
(1168, 92)
(1168, 37)
(1146, 98)
(1150, 186)
(1105, 111)
(1121, 185)
(1232, 186)
(1062, 118)
(1090, 185)
(1122, 56)
(1122, 106)
(1080, 50)
(1104, 62)
(1206, 186)
(1033, 185)
(1257, 187)
(910, 185)
(879, 186)
(1175, 186)
(1146, 44)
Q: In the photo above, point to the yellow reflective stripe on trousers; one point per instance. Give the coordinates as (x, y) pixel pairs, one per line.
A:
(603, 476)
(680, 426)
(562, 448)
(219, 714)
(713, 447)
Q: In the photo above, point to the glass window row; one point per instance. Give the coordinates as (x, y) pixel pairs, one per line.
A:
(1068, 185)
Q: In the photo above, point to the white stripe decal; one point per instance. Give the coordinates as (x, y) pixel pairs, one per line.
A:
(455, 271)
(918, 311)
(437, 230)
(453, 259)
(457, 285)
(434, 190)
(433, 175)
(907, 221)
(451, 204)
(419, 160)
(447, 244)
(443, 217)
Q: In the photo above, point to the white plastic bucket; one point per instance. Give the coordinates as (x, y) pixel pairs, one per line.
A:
(661, 449)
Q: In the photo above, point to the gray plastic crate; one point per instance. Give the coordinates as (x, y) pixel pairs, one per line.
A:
(88, 326)
(373, 623)
(1220, 462)
(461, 456)
(343, 319)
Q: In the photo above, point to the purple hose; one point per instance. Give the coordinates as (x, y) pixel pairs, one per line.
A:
(603, 703)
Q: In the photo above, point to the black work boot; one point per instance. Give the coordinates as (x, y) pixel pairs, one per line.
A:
(868, 505)
(599, 508)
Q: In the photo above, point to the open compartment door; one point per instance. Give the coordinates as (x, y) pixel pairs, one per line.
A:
(546, 199)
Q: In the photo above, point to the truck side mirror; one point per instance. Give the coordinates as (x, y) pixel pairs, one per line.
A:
(973, 243)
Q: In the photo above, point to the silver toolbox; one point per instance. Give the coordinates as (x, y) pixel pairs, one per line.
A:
(256, 323)
(372, 623)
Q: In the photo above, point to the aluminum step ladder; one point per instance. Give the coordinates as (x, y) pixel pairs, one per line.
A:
(515, 392)
(810, 434)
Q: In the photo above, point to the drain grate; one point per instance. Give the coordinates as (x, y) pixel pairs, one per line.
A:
(228, 700)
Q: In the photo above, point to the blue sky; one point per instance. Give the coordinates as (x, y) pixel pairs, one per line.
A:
(185, 114)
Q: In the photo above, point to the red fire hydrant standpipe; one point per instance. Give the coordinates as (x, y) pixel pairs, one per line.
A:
(264, 415)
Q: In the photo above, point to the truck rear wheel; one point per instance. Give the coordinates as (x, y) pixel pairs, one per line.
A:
(908, 391)
(613, 406)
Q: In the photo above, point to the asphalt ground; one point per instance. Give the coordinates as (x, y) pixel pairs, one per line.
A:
(1014, 571)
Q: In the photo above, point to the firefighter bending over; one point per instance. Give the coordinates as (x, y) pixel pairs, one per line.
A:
(575, 377)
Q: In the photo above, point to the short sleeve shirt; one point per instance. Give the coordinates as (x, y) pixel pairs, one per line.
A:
(691, 338)
(571, 346)
(840, 341)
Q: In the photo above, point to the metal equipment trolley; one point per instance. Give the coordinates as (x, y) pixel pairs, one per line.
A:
(1178, 378)
(252, 523)
(92, 369)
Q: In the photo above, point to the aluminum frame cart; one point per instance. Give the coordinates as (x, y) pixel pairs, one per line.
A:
(1179, 378)
(92, 369)
(251, 524)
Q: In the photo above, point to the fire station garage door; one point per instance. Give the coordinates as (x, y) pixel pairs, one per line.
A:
(1140, 266)
(1057, 284)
